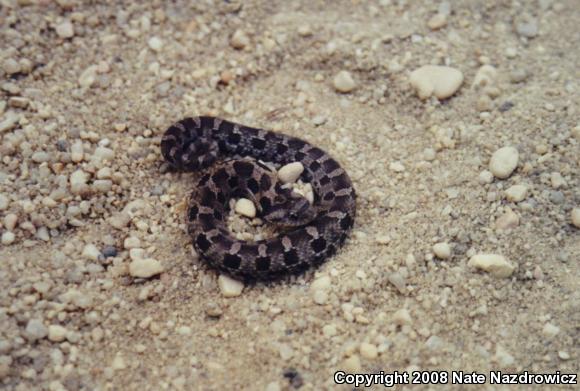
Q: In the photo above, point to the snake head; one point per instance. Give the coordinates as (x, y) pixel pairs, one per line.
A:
(289, 210)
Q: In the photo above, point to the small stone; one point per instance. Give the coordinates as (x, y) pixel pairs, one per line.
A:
(442, 250)
(518, 75)
(556, 197)
(118, 363)
(320, 297)
(528, 29)
(575, 217)
(109, 251)
(77, 153)
(155, 44)
(4, 202)
(368, 351)
(145, 268)
(550, 330)
(304, 30)
(321, 283)
(503, 162)
(56, 333)
(184, 330)
(102, 154)
(398, 281)
(131, 242)
(496, 265)
(343, 82)
(402, 317)
(10, 221)
(11, 66)
(485, 76)
(563, 355)
(286, 352)
(91, 252)
(9, 121)
(437, 80)
(65, 29)
(396, 167)
(557, 180)
(485, 177)
(290, 172)
(273, 386)
(508, 220)
(102, 185)
(78, 182)
(8, 238)
(245, 207)
(88, 77)
(239, 40)
(437, 21)
(329, 330)
(230, 287)
(516, 193)
(351, 364)
(40, 157)
(35, 329)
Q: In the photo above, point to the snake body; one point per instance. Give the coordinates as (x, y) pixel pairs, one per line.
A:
(231, 154)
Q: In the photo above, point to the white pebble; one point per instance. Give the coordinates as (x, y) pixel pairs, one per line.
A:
(230, 287)
(35, 329)
(437, 21)
(286, 352)
(368, 351)
(320, 296)
(437, 80)
(131, 242)
(10, 221)
(56, 333)
(343, 82)
(402, 317)
(4, 202)
(351, 364)
(273, 386)
(137, 254)
(442, 250)
(78, 182)
(396, 167)
(40, 157)
(516, 193)
(485, 177)
(245, 207)
(485, 76)
(145, 268)
(91, 252)
(563, 355)
(557, 180)
(65, 29)
(508, 220)
(76, 151)
(88, 77)
(155, 44)
(494, 264)
(550, 330)
(103, 153)
(8, 238)
(239, 40)
(503, 162)
(320, 283)
(575, 216)
(290, 172)
(11, 66)
(102, 185)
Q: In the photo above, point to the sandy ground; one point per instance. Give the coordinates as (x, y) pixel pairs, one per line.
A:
(87, 90)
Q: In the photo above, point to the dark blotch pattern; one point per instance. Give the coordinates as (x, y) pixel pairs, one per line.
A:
(291, 257)
(243, 169)
(263, 264)
(232, 261)
(202, 242)
(318, 245)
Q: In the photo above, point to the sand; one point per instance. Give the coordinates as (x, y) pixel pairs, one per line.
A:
(454, 264)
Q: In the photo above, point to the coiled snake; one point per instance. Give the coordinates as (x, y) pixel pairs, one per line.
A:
(230, 152)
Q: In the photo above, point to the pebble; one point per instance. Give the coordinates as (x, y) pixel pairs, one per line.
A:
(508, 220)
(516, 193)
(485, 177)
(496, 265)
(76, 152)
(503, 162)
(437, 21)
(285, 351)
(8, 238)
(155, 44)
(239, 40)
(91, 252)
(518, 75)
(109, 251)
(131, 242)
(35, 330)
(329, 330)
(273, 386)
(145, 268)
(563, 355)
(88, 77)
(102, 185)
(575, 217)
(9, 121)
(528, 29)
(290, 172)
(65, 29)
(441, 81)
(78, 182)
(398, 281)
(368, 351)
(245, 207)
(557, 180)
(351, 364)
(402, 317)
(230, 287)
(11, 66)
(56, 333)
(550, 330)
(343, 82)
(442, 250)
(556, 197)
(10, 221)
(4, 202)
(485, 76)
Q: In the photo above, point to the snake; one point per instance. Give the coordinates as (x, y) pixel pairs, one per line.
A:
(233, 163)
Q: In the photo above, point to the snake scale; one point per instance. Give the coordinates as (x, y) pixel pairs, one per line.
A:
(230, 154)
